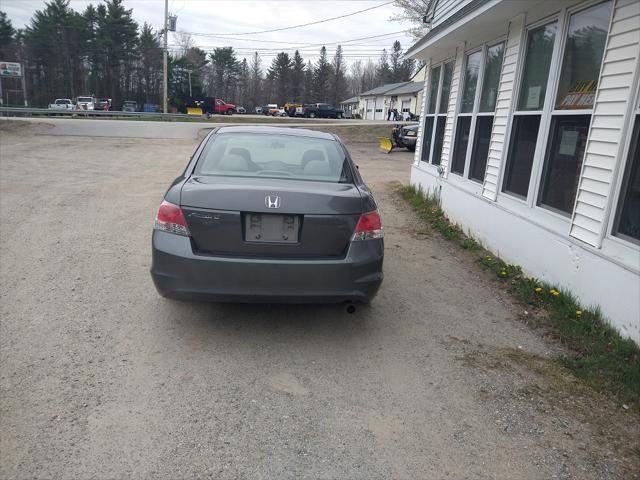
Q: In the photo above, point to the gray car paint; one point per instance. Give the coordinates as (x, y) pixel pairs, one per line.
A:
(216, 263)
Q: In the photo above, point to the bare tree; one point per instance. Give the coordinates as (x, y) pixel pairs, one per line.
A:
(413, 11)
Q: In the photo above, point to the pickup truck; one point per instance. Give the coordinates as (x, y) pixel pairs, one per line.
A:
(322, 110)
(86, 103)
(294, 109)
(223, 108)
(62, 104)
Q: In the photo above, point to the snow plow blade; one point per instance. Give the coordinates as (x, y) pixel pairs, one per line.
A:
(385, 144)
(194, 111)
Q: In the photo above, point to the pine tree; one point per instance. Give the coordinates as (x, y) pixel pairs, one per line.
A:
(118, 37)
(255, 82)
(53, 42)
(297, 78)
(383, 72)
(7, 33)
(150, 66)
(280, 75)
(322, 77)
(309, 94)
(338, 79)
(244, 78)
(225, 69)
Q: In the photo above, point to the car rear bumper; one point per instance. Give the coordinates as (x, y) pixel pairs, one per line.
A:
(179, 273)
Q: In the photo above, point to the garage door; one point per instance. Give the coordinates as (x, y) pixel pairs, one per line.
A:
(406, 105)
(379, 113)
(368, 111)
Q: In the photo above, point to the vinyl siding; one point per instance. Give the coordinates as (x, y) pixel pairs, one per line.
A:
(423, 108)
(497, 145)
(446, 8)
(605, 137)
(451, 110)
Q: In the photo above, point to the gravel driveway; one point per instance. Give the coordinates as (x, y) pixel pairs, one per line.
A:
(102, 378)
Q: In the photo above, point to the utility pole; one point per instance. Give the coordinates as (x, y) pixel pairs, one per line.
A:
(165, 90)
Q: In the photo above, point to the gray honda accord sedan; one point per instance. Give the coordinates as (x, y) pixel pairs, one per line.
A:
(268, 214)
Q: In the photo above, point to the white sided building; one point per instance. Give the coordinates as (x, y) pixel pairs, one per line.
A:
(530, 136)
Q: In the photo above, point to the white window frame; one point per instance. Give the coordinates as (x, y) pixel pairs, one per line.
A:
(554, 220)
(436, 112)
(552, 112)
(475, 112)
(541, 141)
(611, 241)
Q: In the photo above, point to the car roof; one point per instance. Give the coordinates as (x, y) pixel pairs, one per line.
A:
(268, 130)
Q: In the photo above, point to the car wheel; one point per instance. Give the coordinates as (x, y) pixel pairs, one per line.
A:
(230, 112)
(312, 115)
(339, 115)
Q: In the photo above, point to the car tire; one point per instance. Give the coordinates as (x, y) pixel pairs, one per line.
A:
(230, 111)
(312, 115)
(339, 115)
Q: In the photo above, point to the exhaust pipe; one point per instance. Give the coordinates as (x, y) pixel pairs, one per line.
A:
(351, 308)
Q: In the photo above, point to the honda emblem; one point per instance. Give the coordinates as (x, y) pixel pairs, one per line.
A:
(272, 201)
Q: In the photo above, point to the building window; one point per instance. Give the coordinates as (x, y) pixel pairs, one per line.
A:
(521, 151)
(584, 48)
(439, 91)
(627, 223)
(460, 145)
(526, 119)
(426, 139)
(480, 149)
(564, 161)
(475, 119)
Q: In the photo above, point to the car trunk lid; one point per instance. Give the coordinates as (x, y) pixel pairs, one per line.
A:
(270, 217)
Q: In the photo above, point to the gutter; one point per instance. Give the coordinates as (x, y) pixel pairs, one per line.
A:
(446, 23)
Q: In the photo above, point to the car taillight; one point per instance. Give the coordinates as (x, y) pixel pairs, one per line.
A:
(369, 226)
(171, 219)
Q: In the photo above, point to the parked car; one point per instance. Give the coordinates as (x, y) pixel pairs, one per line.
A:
(86, 103)
(103, 104)
(322, 110)
(241, 110)
(270, 109)
(129, 106)
(266, 214)
(62, 104)
(406, 136)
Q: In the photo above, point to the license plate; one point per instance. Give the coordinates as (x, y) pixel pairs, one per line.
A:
(267, 228)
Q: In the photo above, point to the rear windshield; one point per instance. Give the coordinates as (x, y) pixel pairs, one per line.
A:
(274, 156)
(84, 99)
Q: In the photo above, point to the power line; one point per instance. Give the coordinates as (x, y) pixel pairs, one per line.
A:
(292, 26)
(304, 45)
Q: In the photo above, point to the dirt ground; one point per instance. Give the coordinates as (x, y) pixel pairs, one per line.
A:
(102, 378)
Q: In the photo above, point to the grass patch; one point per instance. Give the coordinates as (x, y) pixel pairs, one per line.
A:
(603, 359)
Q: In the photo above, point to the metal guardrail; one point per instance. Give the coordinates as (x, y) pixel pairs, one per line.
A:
(21, 111)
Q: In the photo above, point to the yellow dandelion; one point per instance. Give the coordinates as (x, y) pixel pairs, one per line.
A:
(537, 289)
(578, 312)
(555, 293)
(503, 273)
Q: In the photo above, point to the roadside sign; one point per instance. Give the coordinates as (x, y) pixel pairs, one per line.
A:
(10, 69)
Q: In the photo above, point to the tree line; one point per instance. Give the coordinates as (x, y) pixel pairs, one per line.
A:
(104, 51)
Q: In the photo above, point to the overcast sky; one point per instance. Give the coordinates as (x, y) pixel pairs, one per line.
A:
(220, 17)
